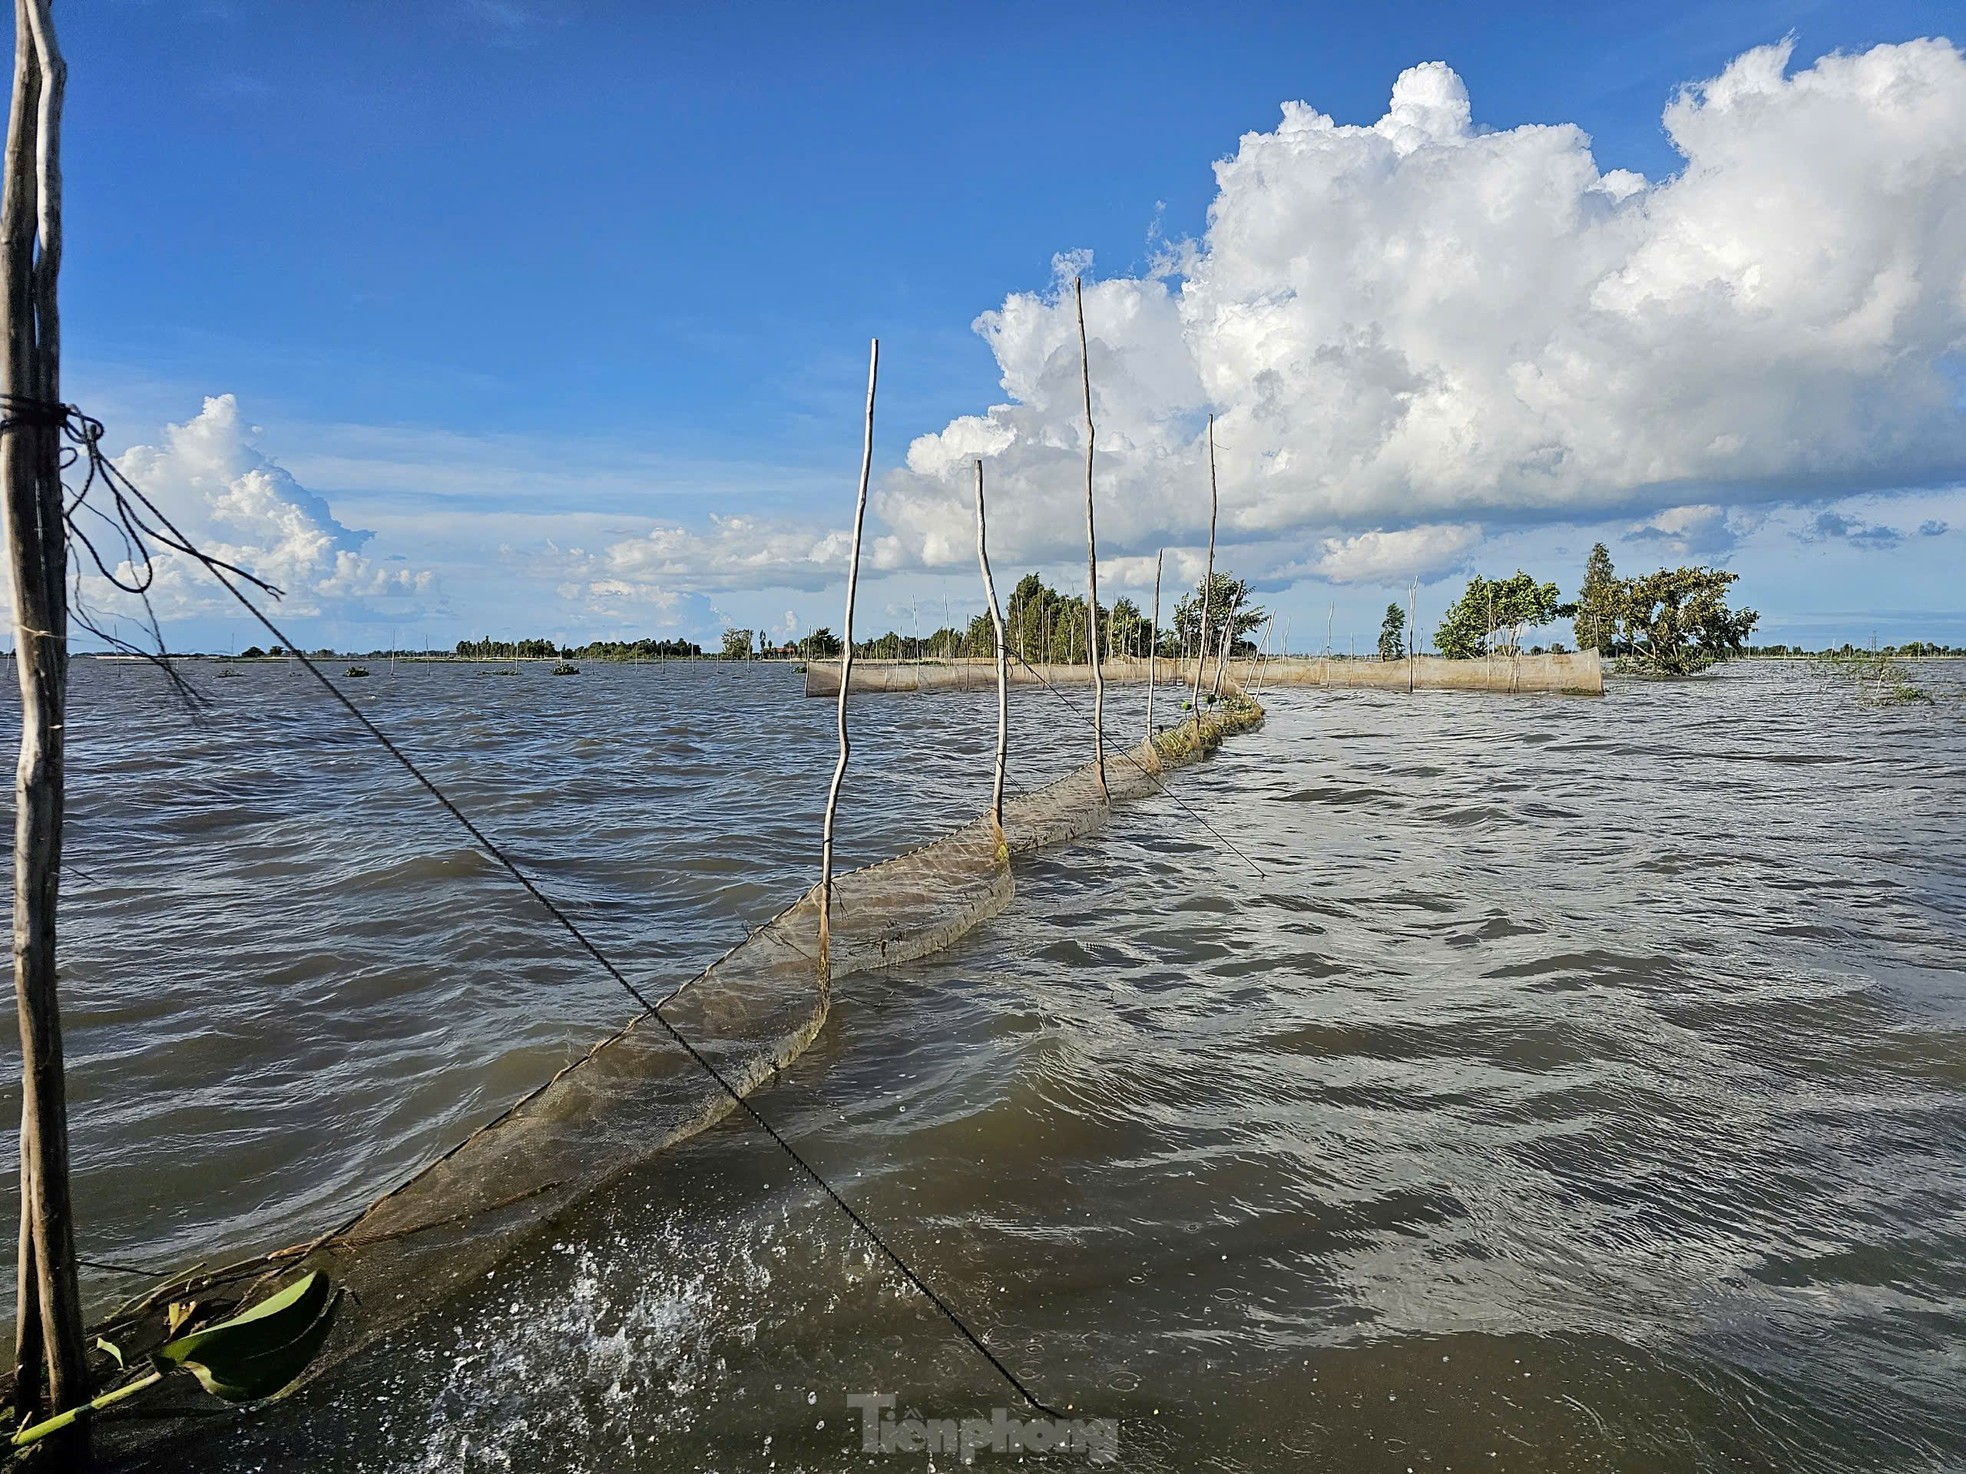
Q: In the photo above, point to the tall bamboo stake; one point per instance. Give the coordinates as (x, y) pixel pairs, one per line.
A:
(49, 1316)
(1208, 575)
(1153, 643)
(1003, 663)
(1412, 632)
(846, 678)
(1092, 562)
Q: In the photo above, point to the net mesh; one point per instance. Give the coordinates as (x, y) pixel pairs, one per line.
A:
(636, 1092)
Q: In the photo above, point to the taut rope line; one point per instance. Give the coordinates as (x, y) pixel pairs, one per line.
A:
(138, 518)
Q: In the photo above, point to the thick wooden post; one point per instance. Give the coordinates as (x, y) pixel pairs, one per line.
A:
(1208, 575)
(1003, 662)
(1092, 564)
(846, 679)
(49, 1329)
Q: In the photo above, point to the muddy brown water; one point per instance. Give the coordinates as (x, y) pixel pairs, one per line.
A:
(1558, 1085)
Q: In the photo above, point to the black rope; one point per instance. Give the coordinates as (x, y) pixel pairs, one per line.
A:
(139, 519)
(113, 1268)
(134, 572)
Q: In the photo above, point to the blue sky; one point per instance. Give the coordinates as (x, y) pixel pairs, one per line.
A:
(512, 300)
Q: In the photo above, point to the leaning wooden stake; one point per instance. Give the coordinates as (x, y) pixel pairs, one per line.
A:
(1153, 643)
(1092, 564)
(1226, 645)
(1003, 663)
(1208, 575)
(49, 1317)
(846, 679)
(1263, 657)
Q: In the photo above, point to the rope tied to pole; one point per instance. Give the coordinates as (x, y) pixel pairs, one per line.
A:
(142, 523)
(132, 519)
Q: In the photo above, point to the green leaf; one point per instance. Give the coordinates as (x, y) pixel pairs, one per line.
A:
(112, 1348)
(257, 1354)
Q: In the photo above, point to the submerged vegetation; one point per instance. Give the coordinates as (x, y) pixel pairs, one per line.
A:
(1874, 674)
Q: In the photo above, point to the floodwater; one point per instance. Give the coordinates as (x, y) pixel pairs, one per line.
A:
(1537, 1083)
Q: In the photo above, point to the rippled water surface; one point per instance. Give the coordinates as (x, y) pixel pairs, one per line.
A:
(1556, 1084)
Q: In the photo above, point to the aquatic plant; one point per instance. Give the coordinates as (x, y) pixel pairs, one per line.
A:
(248, 1358)
(1875, 676)
(356, 672)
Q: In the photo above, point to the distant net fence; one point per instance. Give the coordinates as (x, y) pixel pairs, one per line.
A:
(1574, 674)
(1579, 673)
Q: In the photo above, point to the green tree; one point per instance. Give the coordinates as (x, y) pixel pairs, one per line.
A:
(737, 644)
(823, 644)
(1599, 606)
(1491, 615)
(1126, 630)
(1228, 598)
(1676, 621)
(1029, 616)
(1392, 634)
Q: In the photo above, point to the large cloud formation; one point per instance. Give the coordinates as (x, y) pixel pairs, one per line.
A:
(1407, 328)
(234, 502)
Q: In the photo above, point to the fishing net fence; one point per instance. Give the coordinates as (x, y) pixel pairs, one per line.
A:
(643, 1088)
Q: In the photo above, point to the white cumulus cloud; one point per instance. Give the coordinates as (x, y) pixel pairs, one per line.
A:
(1405, 327)
(734, 553)
(1394, 557)
(234, 502)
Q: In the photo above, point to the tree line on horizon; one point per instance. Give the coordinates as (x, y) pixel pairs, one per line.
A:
(1674, 621)
(1047, 627)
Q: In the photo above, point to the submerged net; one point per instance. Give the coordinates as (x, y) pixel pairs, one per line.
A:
(636, 1092)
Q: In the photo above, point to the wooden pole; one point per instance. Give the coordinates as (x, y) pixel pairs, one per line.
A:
(846, 678)
(1003, 663)
(1227, 643)
(1092, 563)
(48, 1335)
(1207, 577)
(1412, 632)
(1153, 643)
(1263, 660)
